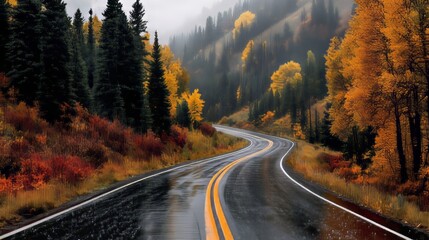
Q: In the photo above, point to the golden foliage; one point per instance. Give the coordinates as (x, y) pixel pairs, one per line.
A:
(176, 77)
(377, 77)
(12, 2)
(245, 20)
(287, 73)
(195, 104)
(268, 117)
(247, 51)
(96, 26)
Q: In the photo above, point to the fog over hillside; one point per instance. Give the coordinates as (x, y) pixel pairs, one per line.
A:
(165, 16)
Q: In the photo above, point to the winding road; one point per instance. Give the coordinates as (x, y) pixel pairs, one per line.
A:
(248, 194)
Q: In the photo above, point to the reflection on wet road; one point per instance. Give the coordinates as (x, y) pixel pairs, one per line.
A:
(257, 199)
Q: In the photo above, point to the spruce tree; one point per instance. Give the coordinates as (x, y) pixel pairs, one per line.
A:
(23, 55)
(182, 115)
(158, 93)
(90, 57)
(130, 67)
(56, 79)
(78, 68)
(138, 27)
(109, 76)
(4, 30)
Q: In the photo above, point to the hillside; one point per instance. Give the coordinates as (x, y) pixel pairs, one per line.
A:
(281, 31)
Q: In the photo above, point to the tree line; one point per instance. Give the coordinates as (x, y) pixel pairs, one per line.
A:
(53, 62)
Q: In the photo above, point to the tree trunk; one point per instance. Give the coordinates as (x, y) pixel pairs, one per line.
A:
(414, 118)
(400, 147)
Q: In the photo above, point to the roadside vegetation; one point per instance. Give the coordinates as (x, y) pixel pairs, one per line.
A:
(43, 166)
(335, 172)
(363, 95)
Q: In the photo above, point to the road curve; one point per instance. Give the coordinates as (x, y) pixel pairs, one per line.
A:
(248, 194)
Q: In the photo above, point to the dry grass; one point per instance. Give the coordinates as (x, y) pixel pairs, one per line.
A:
(15, 207)
(305, 161)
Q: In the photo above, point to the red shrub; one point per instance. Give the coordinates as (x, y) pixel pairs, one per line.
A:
(19, 149)
(114, 135)
(334, 161)
(179, 135)
(70, 169)
(25, 118)
(207, 129)
(35, 172)
(149, 144)
(5, 185)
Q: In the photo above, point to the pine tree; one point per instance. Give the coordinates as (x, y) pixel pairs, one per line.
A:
(56, 85)
(90, 58)
(158, 93)
(23, 55)
(78, 68)
(4, 30)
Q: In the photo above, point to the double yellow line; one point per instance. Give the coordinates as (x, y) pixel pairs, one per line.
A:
(212, 232)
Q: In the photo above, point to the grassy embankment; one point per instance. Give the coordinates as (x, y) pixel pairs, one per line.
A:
(329, 169)
(44, 166)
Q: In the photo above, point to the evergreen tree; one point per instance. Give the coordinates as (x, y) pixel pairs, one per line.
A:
(90, 58)
(78, 69)
(182, 117)
(138, 27)
(23, 55)
(158, 93)
(326, 137)
(56, 85)
(118, 105)
(4, 30)
(109, 74)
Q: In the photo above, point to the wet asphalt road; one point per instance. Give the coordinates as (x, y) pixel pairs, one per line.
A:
(258, 200)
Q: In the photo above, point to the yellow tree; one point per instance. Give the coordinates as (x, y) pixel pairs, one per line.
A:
(342, 120)
(406, 24)
(12, 2)
(247, 52)
(195, 105)
(175, 77)
(287, 73)
(245, 20)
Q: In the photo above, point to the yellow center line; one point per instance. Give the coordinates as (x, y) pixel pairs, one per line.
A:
(211, 229)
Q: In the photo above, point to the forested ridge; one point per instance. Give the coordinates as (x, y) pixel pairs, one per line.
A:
(352, 77)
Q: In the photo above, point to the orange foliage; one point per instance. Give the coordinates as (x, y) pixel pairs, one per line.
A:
(34, 173)
(24, 118)
(70, 169)
(268, 117)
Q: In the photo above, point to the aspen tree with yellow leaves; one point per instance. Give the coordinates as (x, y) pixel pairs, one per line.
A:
(195, 105)
(377, 77)
(245, 20)
(287, 73)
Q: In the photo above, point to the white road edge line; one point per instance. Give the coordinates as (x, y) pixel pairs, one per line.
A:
(334, 204)
(9, 234)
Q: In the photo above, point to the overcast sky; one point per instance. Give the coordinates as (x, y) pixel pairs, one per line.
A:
(166, 16)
